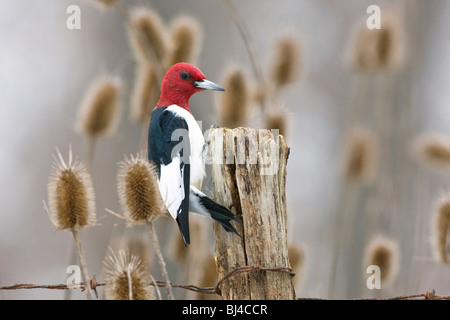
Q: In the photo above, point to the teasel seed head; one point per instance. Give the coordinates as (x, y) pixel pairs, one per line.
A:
(277, 119)
(145, 93)
(71, 195)
(138, 190)
(147, 33)
(297, 260)
(360, 154)
(285, 62)
(234, 104)
(433, 150)
(441, 230)
(99, 111)
(384, 253)
(380, 49)
(126, 278)
(186, 38)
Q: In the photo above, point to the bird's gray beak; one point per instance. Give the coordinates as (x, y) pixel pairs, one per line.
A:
(208, 85)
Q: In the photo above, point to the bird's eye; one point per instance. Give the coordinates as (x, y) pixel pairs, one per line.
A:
(184, 75)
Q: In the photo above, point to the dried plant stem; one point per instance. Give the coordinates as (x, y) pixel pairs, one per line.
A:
(76, 237)
(354, 116)
(162, 264)
(143, 139)
(155, 284)
(89, 156)
(247, 43)
(90, 153)
(345, 215)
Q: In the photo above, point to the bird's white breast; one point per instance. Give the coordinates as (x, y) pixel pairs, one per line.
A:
(197, 141)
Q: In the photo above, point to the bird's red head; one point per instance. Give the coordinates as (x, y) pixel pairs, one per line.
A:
(181, 81)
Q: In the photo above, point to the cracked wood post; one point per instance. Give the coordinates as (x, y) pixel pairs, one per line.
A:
(249, 177)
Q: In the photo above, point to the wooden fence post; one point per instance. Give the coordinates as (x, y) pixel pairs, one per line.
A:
(249, 177)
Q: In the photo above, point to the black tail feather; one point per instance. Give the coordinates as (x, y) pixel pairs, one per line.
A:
(221, 214)
(224, 222)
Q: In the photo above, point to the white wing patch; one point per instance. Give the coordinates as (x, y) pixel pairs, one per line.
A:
(171, 185)
(197, 142)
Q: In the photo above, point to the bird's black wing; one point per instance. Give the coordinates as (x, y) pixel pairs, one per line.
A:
(169, 149)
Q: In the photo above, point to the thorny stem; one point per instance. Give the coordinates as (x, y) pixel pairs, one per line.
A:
(162, 264)
(84, 270)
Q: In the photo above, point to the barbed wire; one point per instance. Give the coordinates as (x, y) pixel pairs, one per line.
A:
(429, 295)
(161, 284)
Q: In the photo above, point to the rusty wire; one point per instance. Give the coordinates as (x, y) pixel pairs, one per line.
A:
(208, 290)
(429, 295)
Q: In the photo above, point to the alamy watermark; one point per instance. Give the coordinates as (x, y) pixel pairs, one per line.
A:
(374, 20)
(73, 21)
(74, 278)
(248, 148)
(374, 280)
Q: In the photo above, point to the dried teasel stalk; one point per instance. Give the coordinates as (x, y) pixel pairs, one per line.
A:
(285, 62)
(99, 111)
(127, 278)
(440, 230)
(185, 41)
(433, 150)
(234, 104)
(379, 49)
(145, 93)
(71, 203)
(141, 200)
(148, 32)
(277, 119)
(297, 261)
(384, 253)
(360, 154)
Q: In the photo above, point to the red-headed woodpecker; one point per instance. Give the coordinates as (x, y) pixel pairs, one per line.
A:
(175, 145)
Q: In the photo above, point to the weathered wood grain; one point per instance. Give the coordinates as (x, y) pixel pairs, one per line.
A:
(249, 177)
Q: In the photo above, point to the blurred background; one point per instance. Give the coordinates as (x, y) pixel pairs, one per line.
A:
(337, 95)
